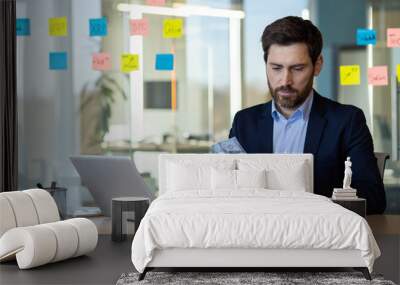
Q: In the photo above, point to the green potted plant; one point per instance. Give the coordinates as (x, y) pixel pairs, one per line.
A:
(96, 109)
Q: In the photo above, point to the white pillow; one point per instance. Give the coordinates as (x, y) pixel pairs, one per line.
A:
(189, 175)
(236, 179)
(294, 179)
(283, 174)
(223, 179)
(185, 178)
(251, 178)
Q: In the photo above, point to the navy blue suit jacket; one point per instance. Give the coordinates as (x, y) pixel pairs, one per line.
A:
(335, 131)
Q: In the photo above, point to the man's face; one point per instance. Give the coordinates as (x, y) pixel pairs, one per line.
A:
(290, 74)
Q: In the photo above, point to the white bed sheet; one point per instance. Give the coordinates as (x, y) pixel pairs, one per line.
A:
(250, 218)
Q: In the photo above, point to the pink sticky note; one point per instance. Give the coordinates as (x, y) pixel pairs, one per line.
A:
(139, 27)
(101, 61)
(378, 75)
(393, 37)
(155, 2)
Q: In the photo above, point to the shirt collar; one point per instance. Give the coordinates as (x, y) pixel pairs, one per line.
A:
(304, 110)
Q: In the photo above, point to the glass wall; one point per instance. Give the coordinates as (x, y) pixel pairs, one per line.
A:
(90, 106)
(384, 100)
(378, 101)
(92, 81)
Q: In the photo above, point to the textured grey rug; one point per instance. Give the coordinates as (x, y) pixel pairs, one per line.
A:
(228, 278)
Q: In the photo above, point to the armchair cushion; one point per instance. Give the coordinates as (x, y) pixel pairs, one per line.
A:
(40, 244)
(31, 232)
(7, 220)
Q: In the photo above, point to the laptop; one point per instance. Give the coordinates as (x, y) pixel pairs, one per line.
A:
(109, 177)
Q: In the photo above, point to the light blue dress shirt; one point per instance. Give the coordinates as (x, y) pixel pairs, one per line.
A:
(290, 134)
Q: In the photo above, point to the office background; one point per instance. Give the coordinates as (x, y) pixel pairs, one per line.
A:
(66, 106)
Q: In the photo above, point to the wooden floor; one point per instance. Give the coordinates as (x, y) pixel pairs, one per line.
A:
(103, 266)
(384, 224)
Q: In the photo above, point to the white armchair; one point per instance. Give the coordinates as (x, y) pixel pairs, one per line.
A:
(31, 230)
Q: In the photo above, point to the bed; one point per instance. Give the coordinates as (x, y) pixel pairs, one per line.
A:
(246, 211)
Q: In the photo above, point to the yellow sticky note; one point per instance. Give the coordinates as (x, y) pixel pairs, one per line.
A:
(350, 75)
(129, 62)
(58, 27)
(172, 28)
(398, 72)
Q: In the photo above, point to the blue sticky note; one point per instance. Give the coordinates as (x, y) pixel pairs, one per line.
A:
(165, 61)
(366, 37)
(98, 27)
(58, 60)
(23, 27)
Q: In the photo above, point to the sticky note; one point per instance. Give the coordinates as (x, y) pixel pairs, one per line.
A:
(98, 27)
(172, 28)
(165, 61)
(129, 62)
(366, 37)
(23, 27)
(350, 75)
(398, 72)
(58, 60)
(393, 37)
(378, 75)
(139, 27)
(58, 27)
(155, 2)
(101, 61)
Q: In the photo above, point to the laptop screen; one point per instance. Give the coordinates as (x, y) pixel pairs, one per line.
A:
(109, 177)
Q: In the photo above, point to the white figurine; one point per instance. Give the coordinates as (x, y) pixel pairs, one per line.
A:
(347, 174)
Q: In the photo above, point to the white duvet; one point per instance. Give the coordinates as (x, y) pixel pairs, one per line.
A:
(250, 218)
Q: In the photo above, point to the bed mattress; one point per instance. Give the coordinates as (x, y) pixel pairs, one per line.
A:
(250, 219)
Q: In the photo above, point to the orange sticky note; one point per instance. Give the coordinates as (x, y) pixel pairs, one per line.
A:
(155, 2)
(393, 37)
(139, 27)
(101, 61)
(378, 75)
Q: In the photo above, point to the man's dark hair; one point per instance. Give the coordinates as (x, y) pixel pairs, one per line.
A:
(291, 30)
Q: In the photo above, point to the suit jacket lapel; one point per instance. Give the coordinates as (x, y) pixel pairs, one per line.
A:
(265, 130)
(316, 125)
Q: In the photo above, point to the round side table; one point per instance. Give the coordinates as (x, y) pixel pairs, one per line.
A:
(138, 205)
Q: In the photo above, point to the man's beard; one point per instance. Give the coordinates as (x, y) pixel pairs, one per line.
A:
(295, 100)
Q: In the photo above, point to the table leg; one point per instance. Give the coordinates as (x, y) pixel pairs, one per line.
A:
(116, 232)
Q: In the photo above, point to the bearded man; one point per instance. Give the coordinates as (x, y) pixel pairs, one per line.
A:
(299, 120)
